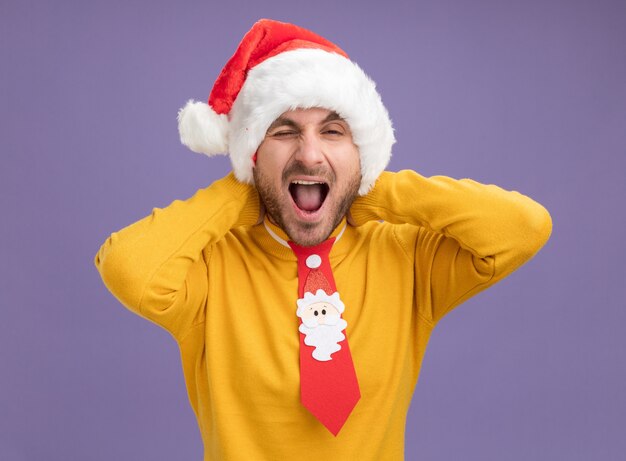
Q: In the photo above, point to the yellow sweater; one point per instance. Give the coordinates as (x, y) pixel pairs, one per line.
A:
(226, 291)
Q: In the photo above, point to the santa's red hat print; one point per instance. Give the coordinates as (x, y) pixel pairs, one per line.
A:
(279, 67)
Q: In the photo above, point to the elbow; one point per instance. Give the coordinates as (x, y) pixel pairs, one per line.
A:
(107, 259)
(538, 228)
(118, 272)
(542, 225)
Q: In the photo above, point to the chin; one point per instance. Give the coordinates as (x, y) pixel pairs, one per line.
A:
(309, 239)
(310, 234)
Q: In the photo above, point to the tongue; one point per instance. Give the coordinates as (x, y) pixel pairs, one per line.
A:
(308, 198)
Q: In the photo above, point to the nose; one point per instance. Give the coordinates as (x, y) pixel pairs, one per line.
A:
(310, 149)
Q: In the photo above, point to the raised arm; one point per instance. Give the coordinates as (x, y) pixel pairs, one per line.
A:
(156, 267)
(469, 235)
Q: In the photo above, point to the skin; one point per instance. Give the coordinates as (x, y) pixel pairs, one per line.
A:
(307, 145)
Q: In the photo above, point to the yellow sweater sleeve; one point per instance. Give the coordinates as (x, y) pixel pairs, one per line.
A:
(462, 237)
(156, 266)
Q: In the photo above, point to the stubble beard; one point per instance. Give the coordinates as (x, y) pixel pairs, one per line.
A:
(304, 233)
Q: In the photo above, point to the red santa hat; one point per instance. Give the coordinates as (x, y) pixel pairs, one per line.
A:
(280, 67)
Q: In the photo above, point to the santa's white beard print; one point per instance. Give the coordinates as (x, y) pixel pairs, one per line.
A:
(325, 338)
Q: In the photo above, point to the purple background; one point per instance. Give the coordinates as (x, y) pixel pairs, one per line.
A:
(527, 95)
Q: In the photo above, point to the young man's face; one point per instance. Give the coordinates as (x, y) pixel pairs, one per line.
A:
(308, 173)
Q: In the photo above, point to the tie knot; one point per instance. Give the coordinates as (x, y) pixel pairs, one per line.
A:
(314, 271)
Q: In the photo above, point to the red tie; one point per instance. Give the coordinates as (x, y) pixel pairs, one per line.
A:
(328, 384)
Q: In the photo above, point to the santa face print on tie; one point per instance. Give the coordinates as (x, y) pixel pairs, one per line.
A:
(322, 324)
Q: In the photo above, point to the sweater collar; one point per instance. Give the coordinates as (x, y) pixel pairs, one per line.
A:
(338, 231)
(274, 240)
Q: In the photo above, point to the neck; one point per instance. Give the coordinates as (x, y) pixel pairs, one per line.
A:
(281, 236)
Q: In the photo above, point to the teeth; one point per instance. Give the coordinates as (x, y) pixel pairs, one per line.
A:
(306, 183)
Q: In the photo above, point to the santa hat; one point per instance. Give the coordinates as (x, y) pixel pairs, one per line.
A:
(280, 67)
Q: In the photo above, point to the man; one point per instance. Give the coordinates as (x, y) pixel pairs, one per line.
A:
(303, 287)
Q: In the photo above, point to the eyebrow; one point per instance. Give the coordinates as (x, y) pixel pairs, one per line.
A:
(332, 116)
(284, 121)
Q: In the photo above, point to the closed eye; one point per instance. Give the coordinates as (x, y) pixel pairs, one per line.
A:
(283, 133)
(334, 129)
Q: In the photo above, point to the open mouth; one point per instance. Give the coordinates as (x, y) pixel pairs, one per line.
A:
(309, 196)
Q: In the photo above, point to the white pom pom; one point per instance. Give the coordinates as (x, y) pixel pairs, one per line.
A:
(203, 130)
